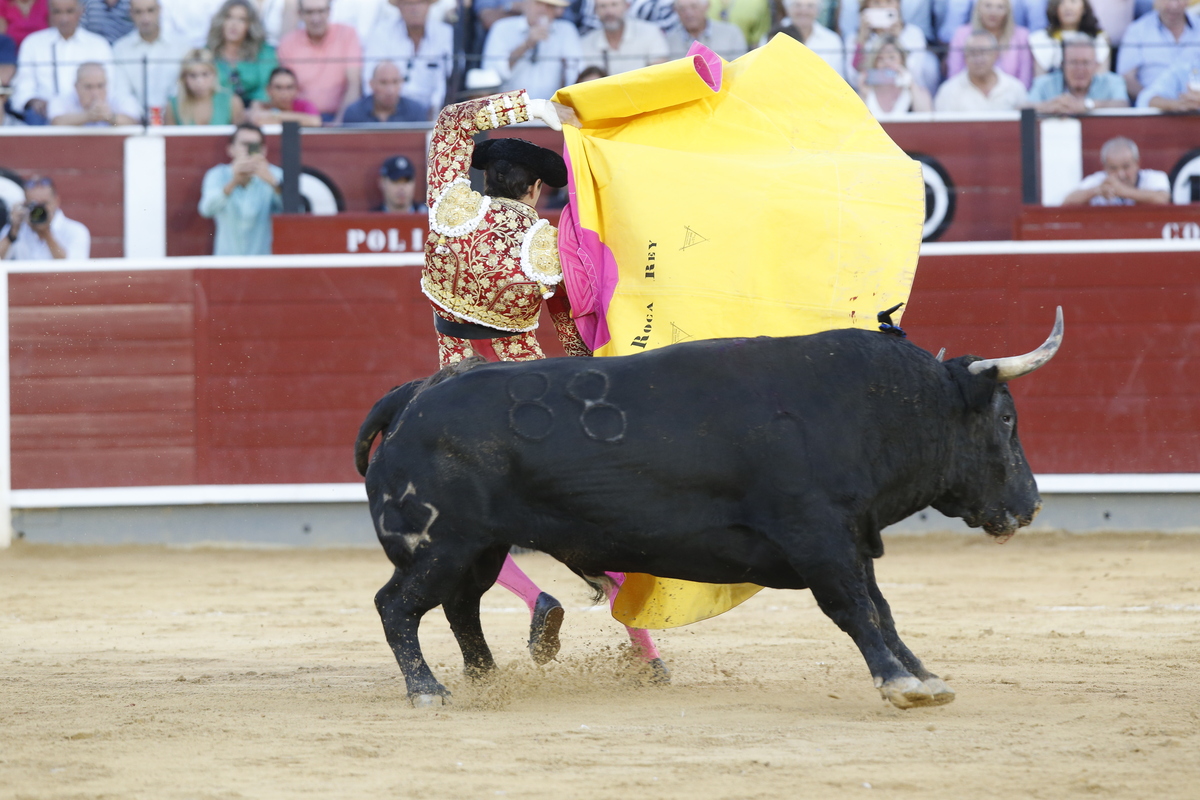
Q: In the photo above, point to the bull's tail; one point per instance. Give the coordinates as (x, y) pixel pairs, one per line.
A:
(392, 405)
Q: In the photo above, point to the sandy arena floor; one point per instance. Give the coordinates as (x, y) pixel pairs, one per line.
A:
(217, 673)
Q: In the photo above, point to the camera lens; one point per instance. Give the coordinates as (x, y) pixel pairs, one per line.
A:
(37, 214)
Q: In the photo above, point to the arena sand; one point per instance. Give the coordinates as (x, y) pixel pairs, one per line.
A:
(225, 673)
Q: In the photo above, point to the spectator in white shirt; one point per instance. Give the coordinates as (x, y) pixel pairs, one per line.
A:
(89, 103)
(1122, 182)
(49, 59)
(723, 38)
(536, 51)
(422, 49)
(146, 63)
(39, 231)
(622, 43)
(362, 15)
(980, 87)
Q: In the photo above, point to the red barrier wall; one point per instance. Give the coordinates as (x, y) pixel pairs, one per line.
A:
(263, 376)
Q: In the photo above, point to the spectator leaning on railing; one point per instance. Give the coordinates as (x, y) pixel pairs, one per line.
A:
(723, 38)
(1081, 86)
(801, 24)
(49, 59)
(326, 59)
(107, 18)
(146, 64)
(1155, 42)
(284, 103)
(19, 18)
(421, 47)
(622, 43)
(38, 230)
(89, 102)
(1122, 181)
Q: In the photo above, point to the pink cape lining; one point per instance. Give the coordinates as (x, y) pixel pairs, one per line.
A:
(590, 273)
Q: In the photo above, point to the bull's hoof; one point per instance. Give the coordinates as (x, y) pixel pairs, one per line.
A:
(907, 692)
(942, 693)
(543, 629)
(659, 674)
(428, 700)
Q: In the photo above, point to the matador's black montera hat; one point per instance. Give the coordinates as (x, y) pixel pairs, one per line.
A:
(545, 164)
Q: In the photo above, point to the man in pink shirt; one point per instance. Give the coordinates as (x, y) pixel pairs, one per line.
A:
(326, 59)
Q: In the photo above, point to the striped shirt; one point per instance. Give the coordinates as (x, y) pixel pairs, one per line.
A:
(110, 20)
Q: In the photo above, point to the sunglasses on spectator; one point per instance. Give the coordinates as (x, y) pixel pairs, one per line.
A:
(34, 183)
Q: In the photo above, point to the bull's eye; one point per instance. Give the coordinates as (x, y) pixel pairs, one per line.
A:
(1007, 419)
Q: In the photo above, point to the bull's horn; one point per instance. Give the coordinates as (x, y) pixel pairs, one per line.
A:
(1015, 366)
(941, 354)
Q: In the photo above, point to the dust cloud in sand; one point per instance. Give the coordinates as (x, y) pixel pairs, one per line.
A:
(226, 673)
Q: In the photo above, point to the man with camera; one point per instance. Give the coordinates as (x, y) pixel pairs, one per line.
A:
(37, 230)
(241, 196)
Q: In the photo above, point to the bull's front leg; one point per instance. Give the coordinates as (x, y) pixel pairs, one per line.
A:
(942, 693)
(840, 588)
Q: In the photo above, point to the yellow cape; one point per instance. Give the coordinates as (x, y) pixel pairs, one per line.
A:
(774, 205)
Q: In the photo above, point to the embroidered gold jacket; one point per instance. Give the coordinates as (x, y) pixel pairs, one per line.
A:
(488, 260)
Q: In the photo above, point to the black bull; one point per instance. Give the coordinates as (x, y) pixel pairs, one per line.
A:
(767, 461)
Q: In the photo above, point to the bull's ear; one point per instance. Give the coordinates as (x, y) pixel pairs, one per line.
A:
(976, 390)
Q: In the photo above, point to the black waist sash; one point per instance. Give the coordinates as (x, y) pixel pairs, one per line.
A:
(468, 330)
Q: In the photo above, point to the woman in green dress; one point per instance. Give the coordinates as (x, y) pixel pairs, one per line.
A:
(200, 100)
(239, 43)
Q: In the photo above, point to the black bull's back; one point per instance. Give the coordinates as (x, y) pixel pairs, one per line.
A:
(719, 461)
(772, 461)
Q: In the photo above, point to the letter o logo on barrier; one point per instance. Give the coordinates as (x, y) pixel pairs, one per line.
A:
(319, 194)
(939, 197)
(1185, 181)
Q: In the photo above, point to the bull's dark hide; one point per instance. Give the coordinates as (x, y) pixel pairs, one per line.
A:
(770, 461)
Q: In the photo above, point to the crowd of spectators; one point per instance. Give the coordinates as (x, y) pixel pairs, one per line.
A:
(250, 63)
(373, 61)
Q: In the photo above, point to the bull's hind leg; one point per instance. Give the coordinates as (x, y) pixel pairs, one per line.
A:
(840, 587)
(941, 692)
(462, 612)
(427, 582)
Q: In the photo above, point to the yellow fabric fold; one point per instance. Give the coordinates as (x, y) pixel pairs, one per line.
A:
(776, 206)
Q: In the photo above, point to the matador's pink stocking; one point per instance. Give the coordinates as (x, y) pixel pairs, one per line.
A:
(639, 636)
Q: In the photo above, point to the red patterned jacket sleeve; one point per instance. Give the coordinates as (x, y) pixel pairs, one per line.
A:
(452, 143)
(568, 334)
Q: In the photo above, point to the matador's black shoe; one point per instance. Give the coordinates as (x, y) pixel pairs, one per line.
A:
(543, 629)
